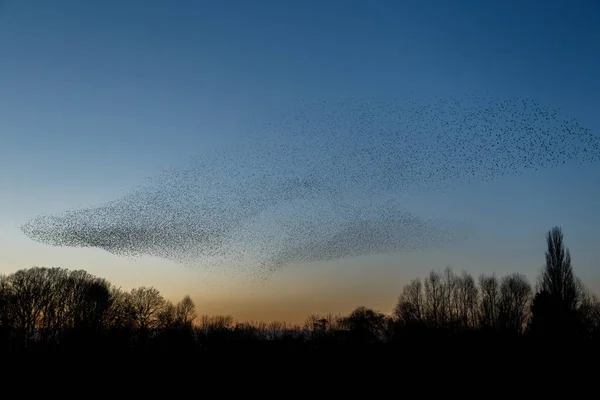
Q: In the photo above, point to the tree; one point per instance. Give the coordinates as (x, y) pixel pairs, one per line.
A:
(515, 295)
(186, 312)
(333, 322)
(167, 316)
(449, 290)
(466, 301)
(118, 314)
(555, 306)
(434, 300)
(6, 322)
(315, 325)
(557, 278)
(31, 293)
(490, 302)
(145, 306)
(89, 299)
(590, 315)
(410, 309)
(5, 300)
(217, 323)
(78, 300)
(365, 325)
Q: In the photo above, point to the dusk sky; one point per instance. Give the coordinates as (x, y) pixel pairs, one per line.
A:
(96, 97)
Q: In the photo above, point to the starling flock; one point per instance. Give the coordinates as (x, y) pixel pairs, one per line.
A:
(325, 183)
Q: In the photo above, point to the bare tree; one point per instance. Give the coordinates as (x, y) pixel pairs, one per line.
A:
(118, 314)
(31, 294)
(590, 314)
(77, 300)
(434, 300)
(312, 322)
(89, 299)
(489, 289)
(167, 316)
(449, 288)
(261, 326)
(365, 324)
(466, 301)
(55, 316)
(217, 323)
(186, 311)
(5, 303)
(145, 305)
(275, 329)
(515, 297)
(410, 309)
(333, 321)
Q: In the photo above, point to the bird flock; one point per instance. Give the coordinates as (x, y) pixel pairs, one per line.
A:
(325, 182)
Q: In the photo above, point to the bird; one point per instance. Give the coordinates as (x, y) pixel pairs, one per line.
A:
(287, 192)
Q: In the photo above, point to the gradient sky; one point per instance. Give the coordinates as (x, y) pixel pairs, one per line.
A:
(97, 96)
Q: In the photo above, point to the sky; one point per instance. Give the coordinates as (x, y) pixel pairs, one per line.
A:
(97, 97)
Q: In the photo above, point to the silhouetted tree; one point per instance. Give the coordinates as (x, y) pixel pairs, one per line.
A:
(410, 309)
(92, 300)
(52, 308)
(435, 298)
(6, 322)
(118, 314)
(311, 321)
(56, 312)
(275, 329)
(557, 277)
(489, 305)
(315, 326)
(466, 301)
(185, 311)
(448, 301)
(589, 311)
(167, 316)
(145, 306)
(554, 308)
(365, 325)
(5, 301)
(333, 322)
(513, 307)
(216, 324)
(449, 290)
(31, 293)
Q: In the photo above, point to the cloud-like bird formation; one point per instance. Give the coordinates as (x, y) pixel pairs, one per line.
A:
(324, 183)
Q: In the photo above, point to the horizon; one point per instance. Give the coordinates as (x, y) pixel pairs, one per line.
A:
(448, 275)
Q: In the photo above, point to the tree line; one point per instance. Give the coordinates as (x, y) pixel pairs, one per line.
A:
(56, 309)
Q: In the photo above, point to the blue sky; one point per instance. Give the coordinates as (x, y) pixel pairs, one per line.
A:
(96, 96)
